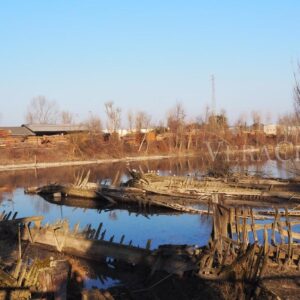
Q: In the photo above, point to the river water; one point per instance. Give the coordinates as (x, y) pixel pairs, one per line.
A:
(161, 228)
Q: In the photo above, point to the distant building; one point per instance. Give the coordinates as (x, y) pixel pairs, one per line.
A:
(271, 129)
(45, 129)
(15, 132)
(124, 132)
(289, 129)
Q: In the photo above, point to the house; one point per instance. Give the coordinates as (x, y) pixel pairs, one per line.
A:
(13, 136)
(46, 129)
(289, 129)
(20, 132)
(270, 129)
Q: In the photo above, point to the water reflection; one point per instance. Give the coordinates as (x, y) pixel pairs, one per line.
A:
(172, 228)
(10, 180)
(162, 229)
(272, 168)
(101, 282)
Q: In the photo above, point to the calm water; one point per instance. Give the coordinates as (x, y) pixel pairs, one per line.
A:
(160, 228)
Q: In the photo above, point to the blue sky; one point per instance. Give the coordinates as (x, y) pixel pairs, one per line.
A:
(146, 55)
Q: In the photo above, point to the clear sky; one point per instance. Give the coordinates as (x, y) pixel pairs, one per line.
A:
(146, 55)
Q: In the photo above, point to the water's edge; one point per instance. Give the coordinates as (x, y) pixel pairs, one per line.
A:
(44, 165)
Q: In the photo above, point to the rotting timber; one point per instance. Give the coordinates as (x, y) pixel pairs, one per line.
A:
(24, 278)
(81, 188)
(249, 257)
(236, 187)
(181, 193)
(234, 253)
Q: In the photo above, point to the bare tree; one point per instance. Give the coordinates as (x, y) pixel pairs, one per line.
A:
(256, 119)
(297, 93)
(42, 111)
(113, 116)
(94, 124)
(82, 144)
(241, 134)
(130, 120)
(66, 117)
(241, 122)
(287, 119)
(191, 131)
(258, 128)
(176, 123)
(142, 121)
(286, 126)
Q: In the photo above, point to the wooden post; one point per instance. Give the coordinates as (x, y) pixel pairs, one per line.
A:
(15, 215)
(19, 241)
(22, 275)
(273, 237)
(92, 234)
(266, 242)
(115, 181)
(76, 227)
(122, 239)
(98, 231)
(8, 216)
(17, 269)
(230, 223)
(148, 245)
(237, 223)
(253, 226)
(282, 238)
(290, 242)
(245, 232)
(103, 235)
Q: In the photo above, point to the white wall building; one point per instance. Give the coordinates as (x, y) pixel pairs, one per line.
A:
(270, 129)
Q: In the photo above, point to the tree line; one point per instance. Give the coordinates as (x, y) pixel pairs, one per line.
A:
(181, 130)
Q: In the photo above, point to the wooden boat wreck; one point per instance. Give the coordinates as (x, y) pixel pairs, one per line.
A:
(233, 254)
(181, 194)
(81, 188)
(234, 187)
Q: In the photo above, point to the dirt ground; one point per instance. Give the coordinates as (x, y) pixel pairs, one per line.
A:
(285, 284)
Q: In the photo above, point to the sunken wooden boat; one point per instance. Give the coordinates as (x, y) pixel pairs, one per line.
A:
(235, 187)
(229, 256)
(57, 191)
(180, 193)
(81, 188)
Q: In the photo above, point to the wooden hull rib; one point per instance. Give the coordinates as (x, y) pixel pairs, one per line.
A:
(93, 249)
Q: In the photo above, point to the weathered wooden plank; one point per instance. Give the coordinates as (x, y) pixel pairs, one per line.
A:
(92, 249)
